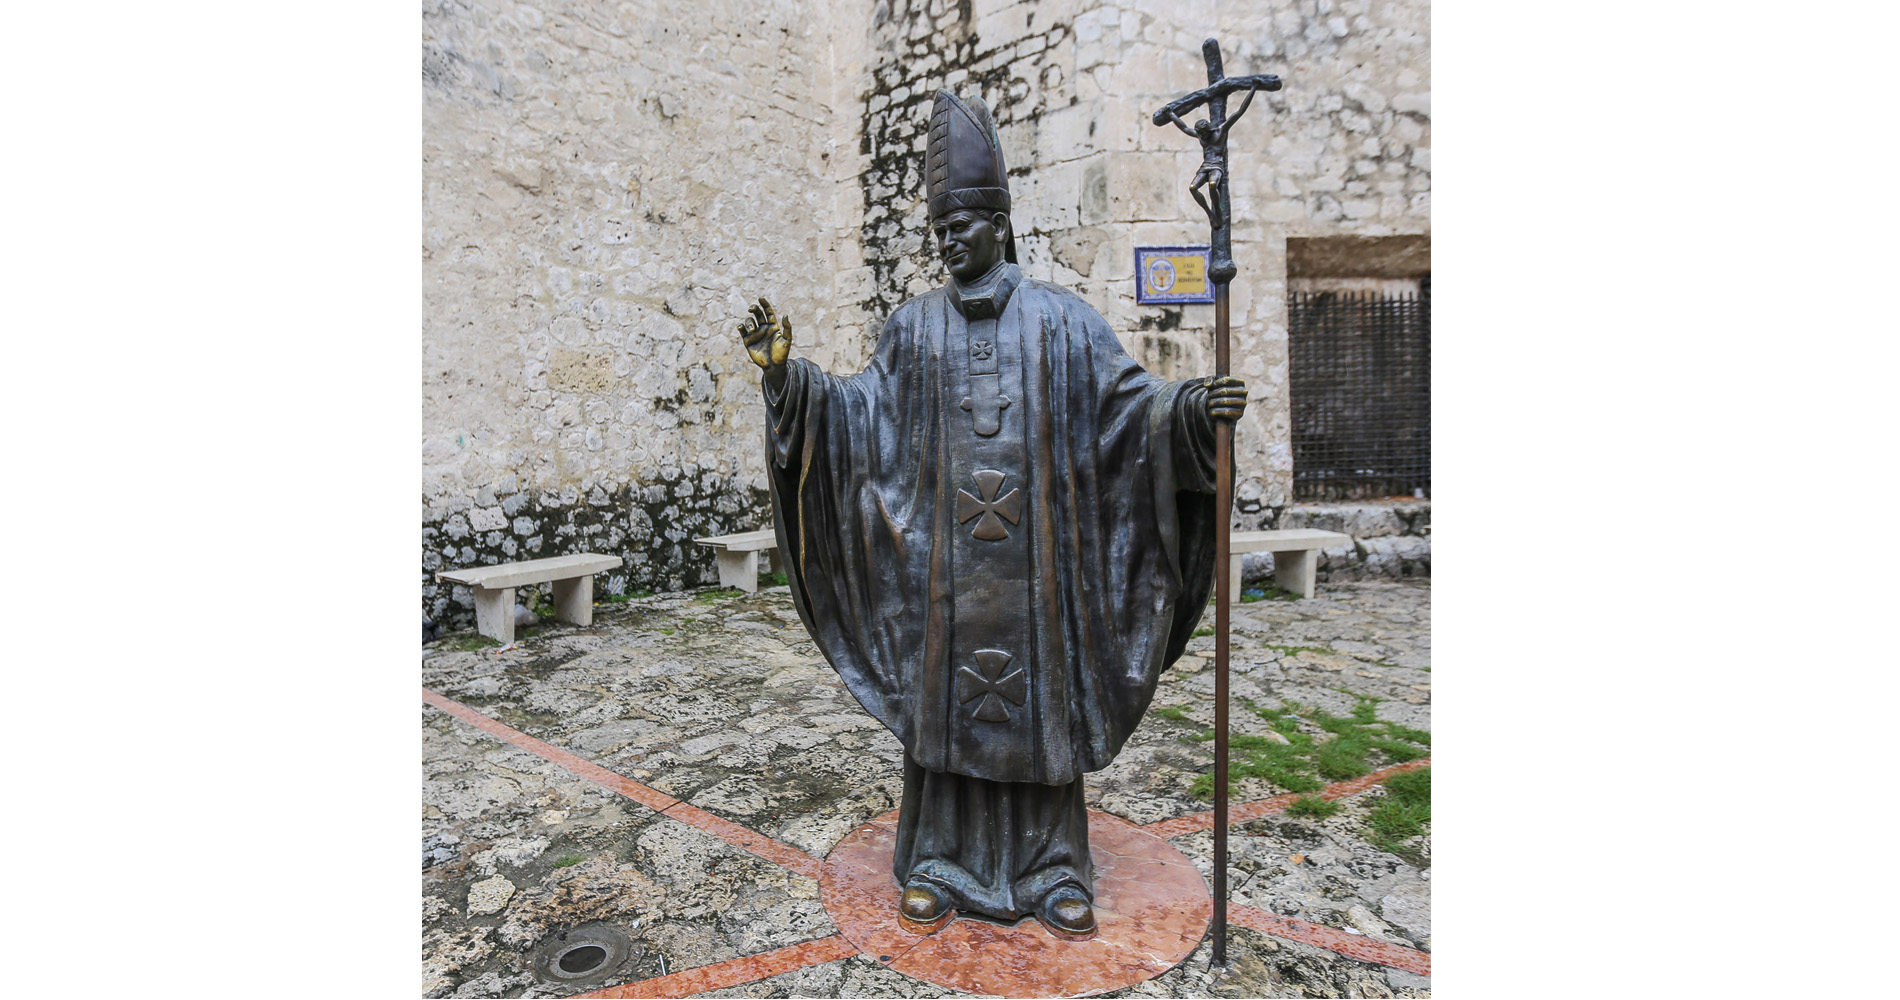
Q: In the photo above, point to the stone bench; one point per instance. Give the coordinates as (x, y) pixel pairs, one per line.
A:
(1295, 556)
(573, 578)
(738, 556)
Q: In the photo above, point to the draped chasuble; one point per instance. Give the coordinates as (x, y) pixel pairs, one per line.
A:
(1000, 533)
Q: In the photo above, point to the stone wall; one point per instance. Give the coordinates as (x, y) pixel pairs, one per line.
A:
(1390, 539)
(607, 185)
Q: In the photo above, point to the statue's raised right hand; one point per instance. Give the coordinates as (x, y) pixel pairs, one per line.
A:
(767, 336)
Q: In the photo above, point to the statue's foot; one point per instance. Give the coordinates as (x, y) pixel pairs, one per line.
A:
(1066, 910)
(923, 902)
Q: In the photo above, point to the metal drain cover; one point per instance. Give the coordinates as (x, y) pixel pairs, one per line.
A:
(585, 952)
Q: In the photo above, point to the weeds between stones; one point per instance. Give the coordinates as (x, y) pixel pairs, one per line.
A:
(1405, 811)
(1312, 805)
(568, 861)
(1345, 747)
(1174, 713)
(1306, 761)
(1200, 632)
(471, 643)
(1296, 650)
(773, 580)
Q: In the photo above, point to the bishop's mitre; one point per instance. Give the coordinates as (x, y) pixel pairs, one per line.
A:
(963, 162)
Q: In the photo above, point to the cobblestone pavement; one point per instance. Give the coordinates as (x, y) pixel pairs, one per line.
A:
(720, 700)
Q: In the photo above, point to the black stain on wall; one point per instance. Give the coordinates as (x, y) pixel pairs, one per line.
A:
(917, 55)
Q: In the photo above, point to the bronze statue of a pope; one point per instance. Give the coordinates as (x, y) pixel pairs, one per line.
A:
(1000, 533)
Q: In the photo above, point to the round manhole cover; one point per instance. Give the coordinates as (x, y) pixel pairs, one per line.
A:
(585, 952)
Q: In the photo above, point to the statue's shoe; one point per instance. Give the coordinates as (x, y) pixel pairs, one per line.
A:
(1066, 910)
(923, 902)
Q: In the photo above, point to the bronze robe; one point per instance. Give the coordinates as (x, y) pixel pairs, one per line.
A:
(1000, 533)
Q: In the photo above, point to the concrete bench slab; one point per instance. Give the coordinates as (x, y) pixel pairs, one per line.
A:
(738, 556)
(494, 586)
(1295, 560)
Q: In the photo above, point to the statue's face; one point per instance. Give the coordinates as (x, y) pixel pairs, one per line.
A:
(971, 241)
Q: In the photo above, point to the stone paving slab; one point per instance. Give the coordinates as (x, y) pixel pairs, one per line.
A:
(722, 701)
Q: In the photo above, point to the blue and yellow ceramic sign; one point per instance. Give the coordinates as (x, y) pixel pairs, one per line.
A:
(1171, 275)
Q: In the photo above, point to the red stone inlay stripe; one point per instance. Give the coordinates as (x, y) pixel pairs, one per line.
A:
(732, 833)
(646, 795)
(1364, 949)
(739, 970)
(1276, 804)
(738, 836)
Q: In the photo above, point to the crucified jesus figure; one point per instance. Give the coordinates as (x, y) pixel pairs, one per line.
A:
(1213, 139)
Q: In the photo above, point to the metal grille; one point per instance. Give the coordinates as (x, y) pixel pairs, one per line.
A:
(1361, 393)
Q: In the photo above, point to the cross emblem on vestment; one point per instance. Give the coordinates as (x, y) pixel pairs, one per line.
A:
(991, 685)
(992, 511)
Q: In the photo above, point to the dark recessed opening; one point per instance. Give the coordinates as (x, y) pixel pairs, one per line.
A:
(1359, 347)
(584, 952)
(585, 958)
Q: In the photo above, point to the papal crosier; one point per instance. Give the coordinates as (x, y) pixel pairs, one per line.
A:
(1000, 533)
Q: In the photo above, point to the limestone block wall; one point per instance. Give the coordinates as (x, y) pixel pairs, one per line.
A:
(604, 187)
(1390, 539)
(607, 185)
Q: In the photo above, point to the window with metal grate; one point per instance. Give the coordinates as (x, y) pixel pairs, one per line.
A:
(1361, 392)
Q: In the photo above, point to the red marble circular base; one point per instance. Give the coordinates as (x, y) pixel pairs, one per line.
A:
(1151, 909)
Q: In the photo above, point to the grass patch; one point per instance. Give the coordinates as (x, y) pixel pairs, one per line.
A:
(1312, 805)
(1397, 750)
(1174, 713)
(1405, 811)
(1419, 736)
(1342, 758)
(1347, 746)
(713, 596)
(773, 580)
(471, 643)
(1250, 756)
(568, 861)
(1204, 630)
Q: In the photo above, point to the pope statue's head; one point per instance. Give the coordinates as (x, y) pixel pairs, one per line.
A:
(968, 188)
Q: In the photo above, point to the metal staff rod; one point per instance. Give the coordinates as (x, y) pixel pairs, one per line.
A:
(1212, 133)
